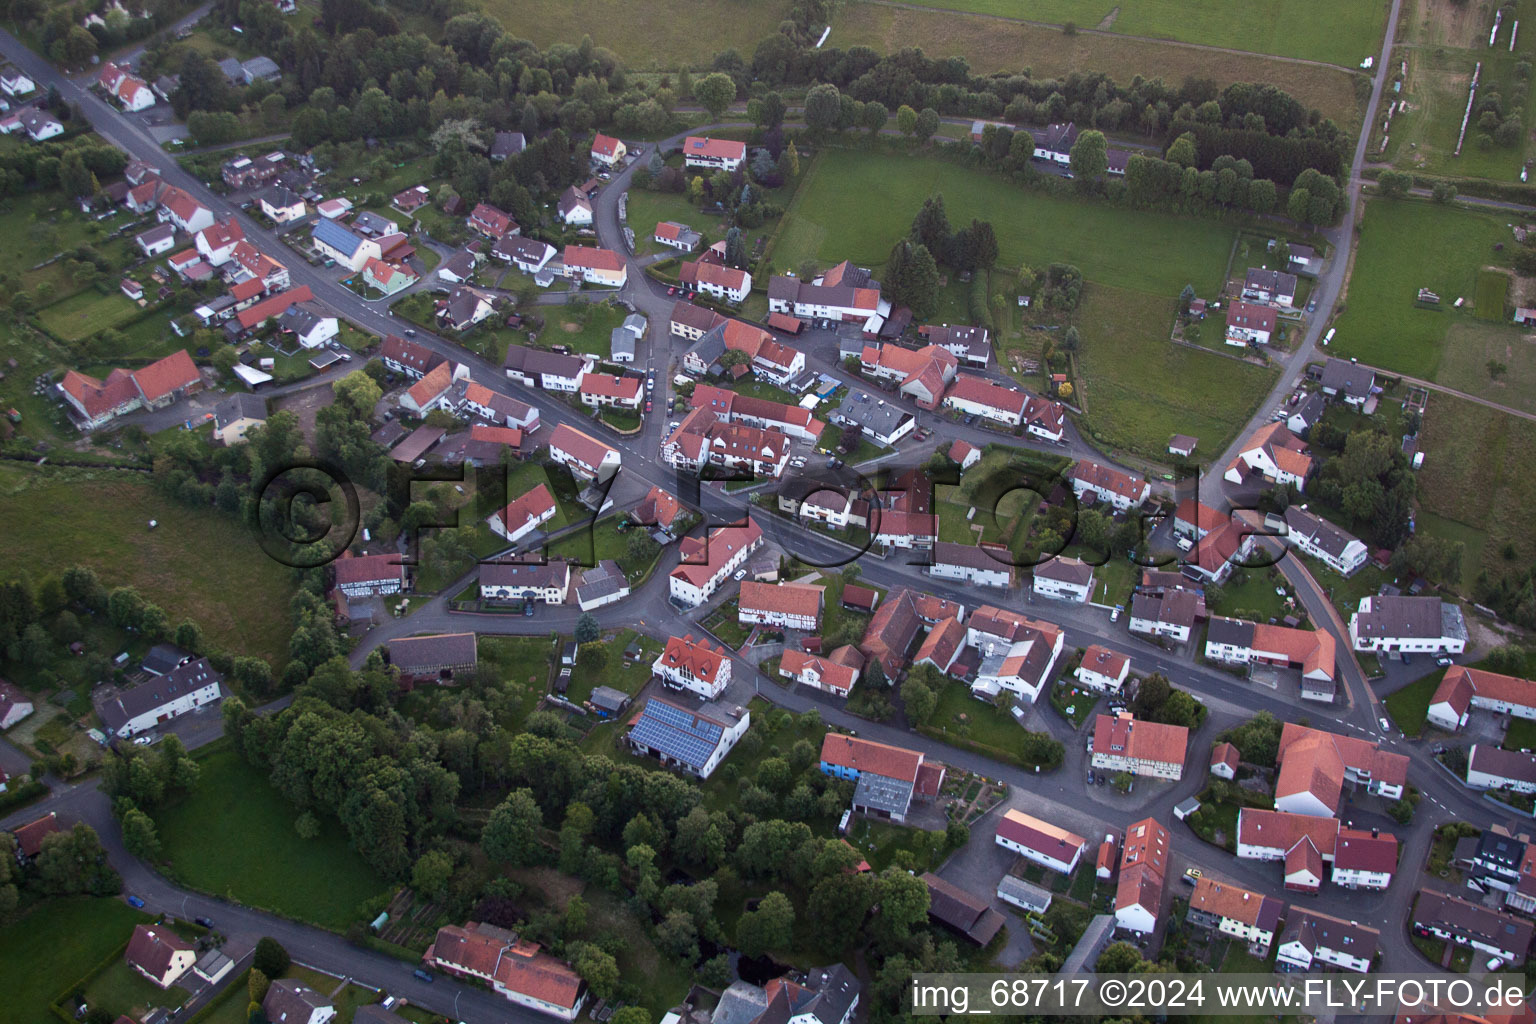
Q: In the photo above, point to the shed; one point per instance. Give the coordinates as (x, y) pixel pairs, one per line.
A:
(608, 701)
(1185, 808)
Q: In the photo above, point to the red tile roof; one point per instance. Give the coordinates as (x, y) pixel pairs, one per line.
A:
(29, 837)
(1461, 684)
(436, 381)
(1279, 830)
(275, 305)
(1040, 836)
(1141, 740)
(797, 599)
(605, 145)
(717, 274)
(1107, 478)
(1226, 753)
(533, 507)
(834, 675)
(626, 389)
(703, 558)
(352, 568)
(868, 756)
(719, 149)
(583, 447)
(698, 658)
(942, 644)
(597, 259)
(971, 388)
(1314, 761)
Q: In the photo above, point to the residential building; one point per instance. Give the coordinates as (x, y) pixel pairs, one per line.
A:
(491, 222)
(706, 563)
(159, 954)
(732, 407)
(1272, 287)
(1143, 868)
(290, 1001)
(436, 656)
(253, 317)
(574, 208)
(1456, 920)
(434, 391)
(704, 439)
(1276, 454)
(677, 236)
(552, 371)
(685, 739)
(1312, 941)
(883, 422)
(1232, 910)
(1225, 760)
(412, 199)
(1492, 767)
(29, 837)
(137, 709)
(1303, 843)
(1121, 491)
(1103, 670)
(835, 674)
(1316, 536)
(1463, 689)
(411, 358)
(1168, 615)
(39, 125)
(388, 278)
(920, 374)
(1056, 142)
(16, 83)
(1236, 642)
(1063, 578)
(163, 659)
(1018, 654)
(1348, 381)
(964, 454)
(601, 389)
(603, 584)
(458, 268)
(942, 646)
(607, 150)
(1304, 260)
(716, 154)
(1397, 624)
(1364, 860)
(1040, 842)
(693, 665)
(465, 307)
(526, 513)
(182, 210)
(886, 779)
(338, 242)
(595, 266)
(15, 704)
(970, 345)
(526, 254)
(310, 323)
(691, 322)
(530, 579)
(978, 396)
(1315, 765)
(896, 623)
(715, 279)
(237, 414)
(515, 969)
(1122, 744)
(825, 995)
(155, 386)
(369, 575)
(780, 605)
(659, 509)
(1182, 445)
(1300, 417)
(241, 172)
(281, 205)
(253, 264)
(960, 911)
(157, 240)
(845, 293)
(507, 145)
(979, 566)
(583, 454)
(1250, 324)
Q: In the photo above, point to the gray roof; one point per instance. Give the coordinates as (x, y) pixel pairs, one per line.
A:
(1318, 931)
(1016, 890)
(1172, 607)
(462, 304)
(128, 704)
(1347, 378)
(507, 144)
(162, 658)
(232, 69)
(1273, 281)
(621, 342)
(534, 361)
(875, 415)
(1229, 631)
(836, 991)
(277, 195)
(1413, 617)
(373, 223)
(636, 325)
(260, 67)
(529, 250)
(741, 1003)
(893, 796)
(1095, 937)
(461, 265)
(1504, 764)
(677, 732)
(1310, 410)
(602, 580)
(1322, 533)
(710, 347)
(239, 406)
(608, 698)
(1472, 921)
(337, 236)
(969, 556)
(158, 233)
(291, 1002)
(431, 652)
(211, 962)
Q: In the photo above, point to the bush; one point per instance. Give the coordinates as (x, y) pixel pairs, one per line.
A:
(271, 958)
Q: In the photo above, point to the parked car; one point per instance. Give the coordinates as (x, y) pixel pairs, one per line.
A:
(134, 901)
(672, 290)
(1444, 660)
(206, 922)
(740, 574)
(647, 405)
(424, 975)
(527, 609)
(1192, 875)
(1090, 778)
(410, 332)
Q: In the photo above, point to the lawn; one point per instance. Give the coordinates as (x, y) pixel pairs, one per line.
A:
(1406, 245)
(1521, 734)
(646, 209)
(1139, 390)
(726, 627)
(992, 46)
(856, 205)
(1409, 706)
(121, 989)
(1492, 290)
(960, 714)
(1492, 361)
(234, 836)
(1311, 29)
(346, 1002)
(1250, 594)
(1480, 474)
(196, 563)
(86, 313)
(229, 1007)
(613, 672)
(585, 330)
(53, 945)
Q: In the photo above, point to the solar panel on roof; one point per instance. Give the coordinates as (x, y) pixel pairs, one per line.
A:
(676, 733)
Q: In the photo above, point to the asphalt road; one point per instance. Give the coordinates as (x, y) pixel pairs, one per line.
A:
(1060, 796)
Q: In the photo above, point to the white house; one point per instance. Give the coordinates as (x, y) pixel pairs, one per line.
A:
(369, 575)
(686, 739)
(281, 205)
(971, 564)
(1273, 287)
(1063, 578)
(1490, 767)
(1316, 536)
(715, 279)
(1397, 624)
(706, 563)
(15, 83)
(1276, 454)
(1055, 143)
(338, 242)
(217, 242)
(159, 954)
(575, 208)
(716, 154)
(140, 708)
(1121, 491)
(1471, 924)
(972, 395)
(584, 455)
(693, 665)
(1103, 670)
(533, 580)
(595, 266)
(1250, 324)
(1038, 841)
(15, 704)
(780, 605)
(311, 323)
(514, 968)
(1232, 910)
(157, 240)
(1464, 688)
(1311, 940)
(1143, 868)
(607, 150)
(526, 513)
(1121, 743)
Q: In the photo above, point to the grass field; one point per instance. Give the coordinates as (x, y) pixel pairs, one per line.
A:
(992, 46)
(1471, 346)
(196, 563)
(1492, 290)
(121, 989)
(234, 836)
(1139, 390)
(1312, 29)
(86, 313)
(1406, 245)
(55, 944)
(855, 205)
(1479, 482)
(588, 331)
(1410, 706)
(1451, 39)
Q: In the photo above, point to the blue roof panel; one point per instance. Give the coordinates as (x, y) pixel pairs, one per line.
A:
(336, 236)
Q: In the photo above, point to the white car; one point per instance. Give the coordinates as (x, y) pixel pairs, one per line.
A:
(143, 741)
(741, 574)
